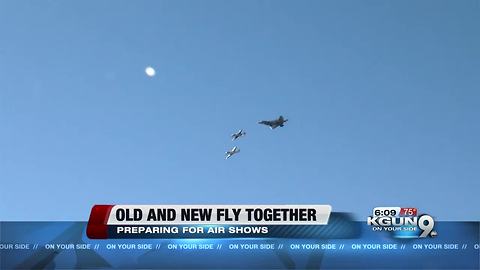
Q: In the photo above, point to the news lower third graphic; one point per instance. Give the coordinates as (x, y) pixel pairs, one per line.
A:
(402, 221)
(199, 221)
(241, 236)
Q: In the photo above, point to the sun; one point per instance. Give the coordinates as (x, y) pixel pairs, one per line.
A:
(150, 71)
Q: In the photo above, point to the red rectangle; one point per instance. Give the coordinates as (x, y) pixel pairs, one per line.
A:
(408, 211)
(97, 227)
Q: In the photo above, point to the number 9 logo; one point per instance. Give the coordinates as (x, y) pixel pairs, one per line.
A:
(425, 223)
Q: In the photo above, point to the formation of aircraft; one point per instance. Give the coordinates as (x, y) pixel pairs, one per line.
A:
(273, 124)
(238, 134)
(232, 152)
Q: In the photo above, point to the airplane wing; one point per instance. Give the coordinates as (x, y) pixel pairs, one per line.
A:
(274, 125)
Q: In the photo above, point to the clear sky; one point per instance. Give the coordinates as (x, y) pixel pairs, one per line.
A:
(383, 99)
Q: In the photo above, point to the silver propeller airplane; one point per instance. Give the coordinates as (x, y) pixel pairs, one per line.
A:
(239, 134)
(232, 152)
(274, 123)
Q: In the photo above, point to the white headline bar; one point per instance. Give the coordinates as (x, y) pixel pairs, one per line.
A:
(219, 214)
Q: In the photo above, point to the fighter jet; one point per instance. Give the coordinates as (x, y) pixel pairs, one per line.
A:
(239, 134)
(232, 152)
(274, 123)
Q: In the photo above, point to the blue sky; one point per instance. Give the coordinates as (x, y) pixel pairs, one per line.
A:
(383, 99)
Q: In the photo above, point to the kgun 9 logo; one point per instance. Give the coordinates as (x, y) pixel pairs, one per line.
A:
(403, 226)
